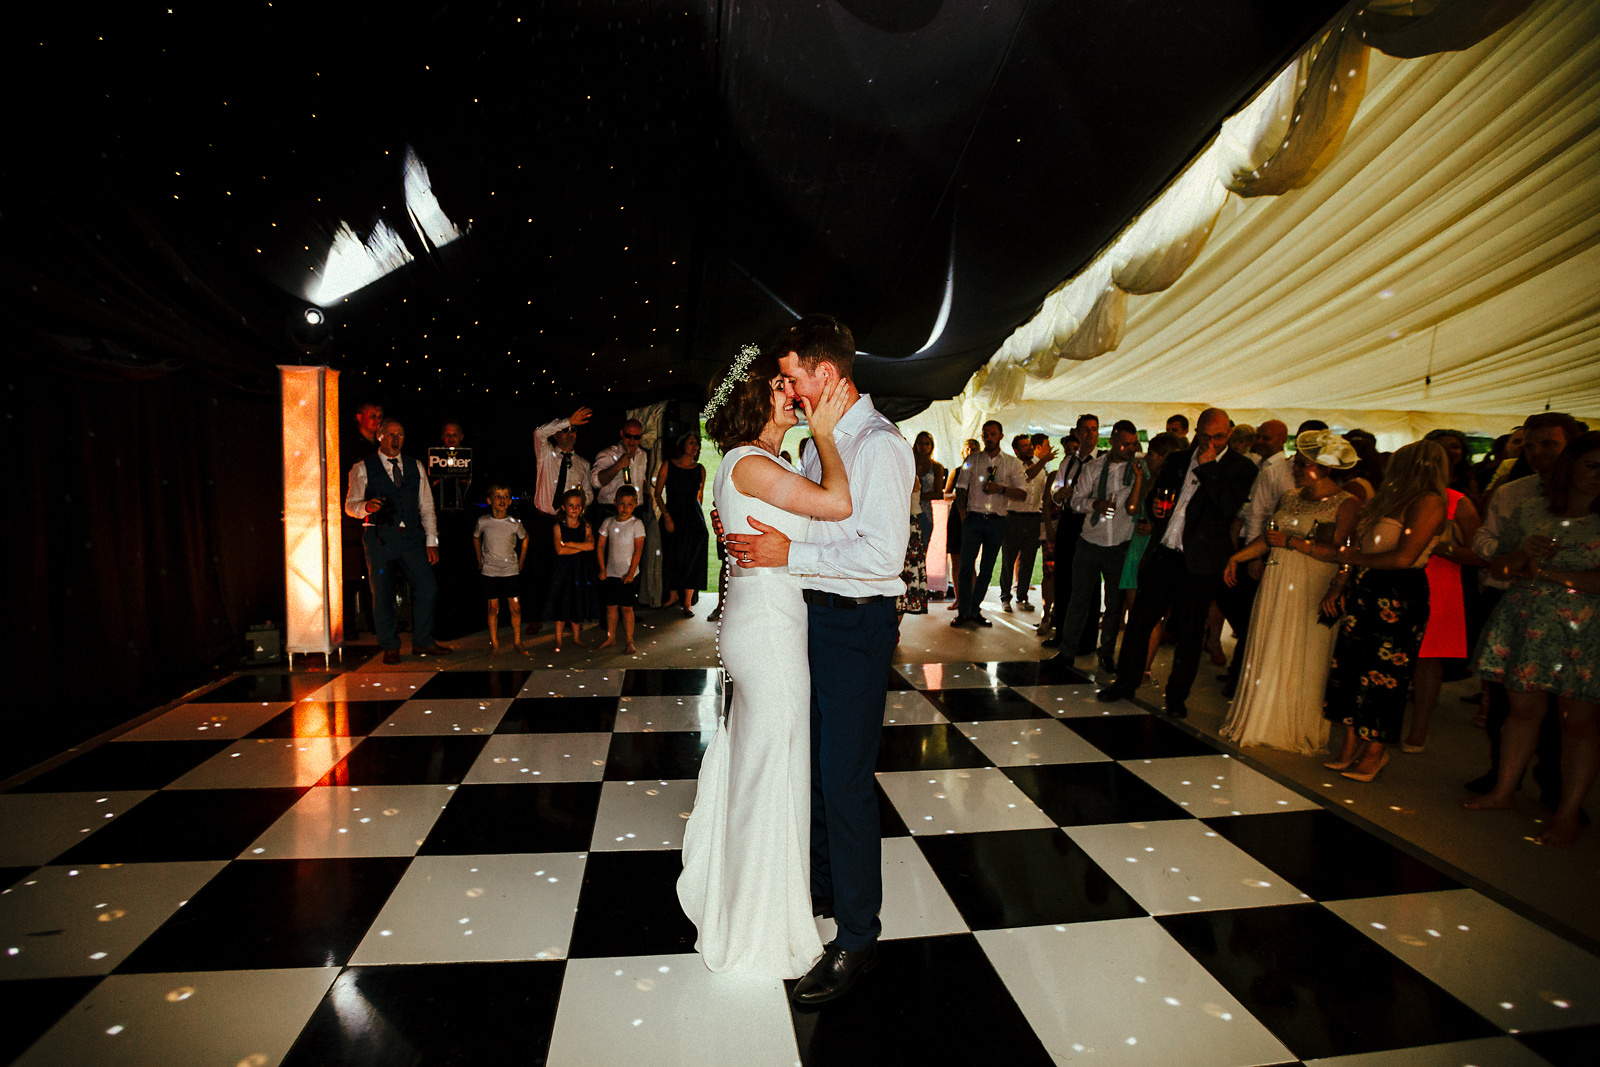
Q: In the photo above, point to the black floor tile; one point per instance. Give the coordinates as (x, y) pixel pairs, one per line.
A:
(265, 688)
(984, 705)
(1573, 1047)
(899, 683)
(328, 718)
(473, 685)
(1088, 794)
(1037, 672)
(503, 819)
(936, 746)
(1322, 987)
(445, 1013)
(890, 824)
(125, 765)
(273, 913)
(629, 906)
(665, 755)
(650, 682)
(1137, 737)
(186, 824)
(34, 1006)
(10, 876)
(559, 715)
(886, 1019)
(1327, 857)
(421, 760)
(1024, 878)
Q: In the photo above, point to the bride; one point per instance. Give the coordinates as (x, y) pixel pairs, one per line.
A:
(746, 848)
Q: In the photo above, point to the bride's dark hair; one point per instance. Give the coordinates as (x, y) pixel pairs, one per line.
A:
(746, 411)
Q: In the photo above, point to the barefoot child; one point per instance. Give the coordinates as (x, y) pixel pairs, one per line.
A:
(502, 547)
(620, 550)
(572, 585)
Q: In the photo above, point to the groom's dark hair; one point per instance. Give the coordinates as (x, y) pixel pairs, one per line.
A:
(820, 339)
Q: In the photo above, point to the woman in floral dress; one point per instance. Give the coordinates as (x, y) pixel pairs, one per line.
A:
(1544, 635)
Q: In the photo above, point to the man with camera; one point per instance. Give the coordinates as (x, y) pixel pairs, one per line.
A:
(390, 494)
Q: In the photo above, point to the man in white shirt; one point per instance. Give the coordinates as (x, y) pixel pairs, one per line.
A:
(390, 494)
(1023, 519)
(1069, 526)
(1544, 436)
(851, 571)
(559, 469)
(624, 463)
(987, 482)
(1102, 496)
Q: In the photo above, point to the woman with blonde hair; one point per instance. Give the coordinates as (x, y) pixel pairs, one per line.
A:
(952, 527)
(1386, 607)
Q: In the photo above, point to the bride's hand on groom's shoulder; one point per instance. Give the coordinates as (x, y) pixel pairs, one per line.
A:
(825, 414)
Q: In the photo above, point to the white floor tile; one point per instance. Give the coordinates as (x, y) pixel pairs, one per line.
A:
(574, 682)
(914, 903)
(342, 820)
(387, 685)
(1218, 785)
(669, 1011)
(642, 815)
(1074, 701)
(222, 1017)
(1123, 992)
(461, 909)
(424, 716)
(541, 758)
(960, 801)
(668, 714)
(191, 722)
(1182, 865)
(268, 761)
(946, 675)
(910, 708)
(1511, 971)
(86, 919)
(1499, 1051)
(35, 828)
(1028, 742)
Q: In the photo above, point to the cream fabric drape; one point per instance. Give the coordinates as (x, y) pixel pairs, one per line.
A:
(1432, 258)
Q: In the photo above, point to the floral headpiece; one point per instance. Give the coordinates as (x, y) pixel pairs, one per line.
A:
(1326, 448)
(736, 373)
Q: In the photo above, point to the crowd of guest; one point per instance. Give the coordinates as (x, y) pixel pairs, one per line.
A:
(1352, 580)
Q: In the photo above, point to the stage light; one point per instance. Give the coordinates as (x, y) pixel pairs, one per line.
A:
(314, 316)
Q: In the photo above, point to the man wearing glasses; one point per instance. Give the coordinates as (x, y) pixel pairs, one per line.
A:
(1189, 549)
(624, 463)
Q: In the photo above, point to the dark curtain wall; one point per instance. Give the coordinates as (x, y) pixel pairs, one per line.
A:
(146, 535)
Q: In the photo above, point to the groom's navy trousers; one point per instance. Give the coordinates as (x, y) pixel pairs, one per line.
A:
(850, 650)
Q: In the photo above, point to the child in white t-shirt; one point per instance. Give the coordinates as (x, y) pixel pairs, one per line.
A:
(620, 547)
(501, 543)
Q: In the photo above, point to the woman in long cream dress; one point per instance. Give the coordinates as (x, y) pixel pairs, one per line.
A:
(746, 881)
(1279, 697)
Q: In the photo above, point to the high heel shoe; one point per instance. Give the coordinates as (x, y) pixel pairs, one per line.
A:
(1341, 765)
(1357, 776)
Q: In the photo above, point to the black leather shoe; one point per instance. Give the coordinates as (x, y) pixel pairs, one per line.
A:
(834, 974)
(1110, 695)
(1107, 663)
(1177, 709)
(979, 620)
(1050, 642)
(822, 906)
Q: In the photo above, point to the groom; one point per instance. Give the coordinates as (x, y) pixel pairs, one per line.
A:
(851, 573)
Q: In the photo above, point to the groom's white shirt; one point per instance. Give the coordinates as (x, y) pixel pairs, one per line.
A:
(864, 554)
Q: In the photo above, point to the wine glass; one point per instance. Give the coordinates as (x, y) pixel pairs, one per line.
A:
(1272, 553)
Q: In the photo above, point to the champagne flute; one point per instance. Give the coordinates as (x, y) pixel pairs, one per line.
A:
(1272, 556)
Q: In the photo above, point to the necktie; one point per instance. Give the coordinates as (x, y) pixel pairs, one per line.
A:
(395, 465)
(1100, 490)
(561, 477)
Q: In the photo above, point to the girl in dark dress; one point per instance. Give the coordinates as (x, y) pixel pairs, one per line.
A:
(680, 492)
(574, 584)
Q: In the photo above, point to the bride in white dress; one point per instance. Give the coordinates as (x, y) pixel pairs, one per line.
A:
(746, 848)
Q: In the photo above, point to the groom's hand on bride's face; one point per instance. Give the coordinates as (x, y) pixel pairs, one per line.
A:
(769, 548)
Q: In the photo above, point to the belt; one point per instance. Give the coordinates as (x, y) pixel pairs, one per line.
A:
(837, 600)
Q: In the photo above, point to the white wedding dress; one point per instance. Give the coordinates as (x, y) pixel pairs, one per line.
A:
(746, 881)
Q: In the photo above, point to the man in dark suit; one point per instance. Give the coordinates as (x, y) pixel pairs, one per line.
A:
(1189, 549)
